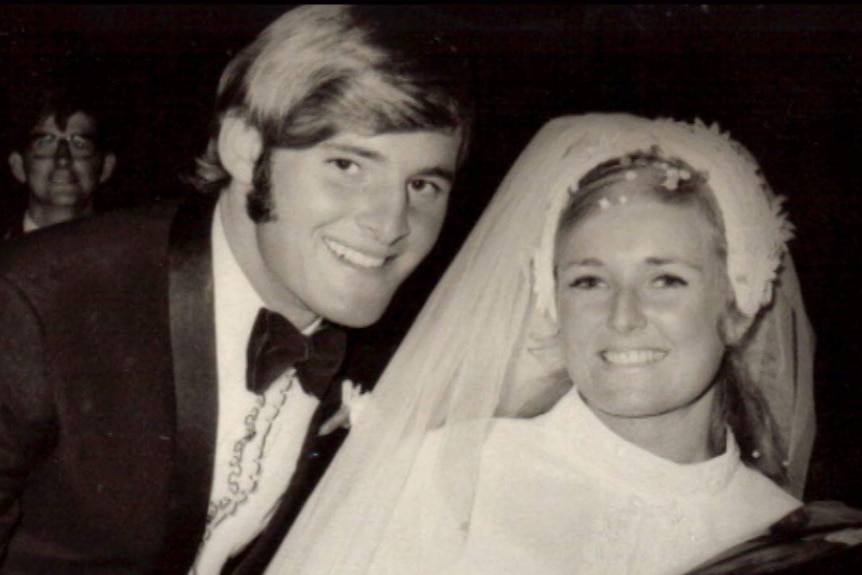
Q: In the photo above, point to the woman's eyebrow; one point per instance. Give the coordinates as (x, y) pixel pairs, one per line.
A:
(663, 261)
(591, 262)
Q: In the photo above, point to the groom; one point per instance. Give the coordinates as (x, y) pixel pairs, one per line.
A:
(164, 372)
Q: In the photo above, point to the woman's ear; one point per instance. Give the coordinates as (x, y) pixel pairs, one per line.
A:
(734, 325)
(239, 147)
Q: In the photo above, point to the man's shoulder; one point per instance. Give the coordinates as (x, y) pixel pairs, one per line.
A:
(11, 221)
(108, 241)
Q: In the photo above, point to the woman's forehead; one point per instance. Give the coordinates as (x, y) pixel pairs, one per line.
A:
(638, 219)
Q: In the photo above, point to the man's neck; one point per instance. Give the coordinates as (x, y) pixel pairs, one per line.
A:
(44, 216)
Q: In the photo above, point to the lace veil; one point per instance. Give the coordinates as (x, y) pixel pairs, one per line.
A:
(483, 347)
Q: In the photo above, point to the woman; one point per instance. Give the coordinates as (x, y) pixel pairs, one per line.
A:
(651, 306)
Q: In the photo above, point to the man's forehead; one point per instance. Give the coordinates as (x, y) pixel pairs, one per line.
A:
(78, 122)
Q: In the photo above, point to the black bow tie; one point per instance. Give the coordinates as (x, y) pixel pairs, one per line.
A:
(276, 345)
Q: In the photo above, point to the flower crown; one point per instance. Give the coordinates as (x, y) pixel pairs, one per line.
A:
(756, 227)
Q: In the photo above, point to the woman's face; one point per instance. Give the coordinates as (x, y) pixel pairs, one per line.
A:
(641, 291)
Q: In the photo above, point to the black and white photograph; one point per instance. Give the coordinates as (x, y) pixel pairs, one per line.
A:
(430, 289)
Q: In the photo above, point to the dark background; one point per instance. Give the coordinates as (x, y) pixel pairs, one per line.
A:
(785, 81)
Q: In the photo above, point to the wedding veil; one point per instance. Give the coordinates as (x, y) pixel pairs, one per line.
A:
(479, 348)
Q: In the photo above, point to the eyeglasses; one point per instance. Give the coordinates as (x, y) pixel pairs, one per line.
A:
(80, 146)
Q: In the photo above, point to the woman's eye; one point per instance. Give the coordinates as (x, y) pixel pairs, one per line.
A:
(586, 282)
(347, 166)
(669, 281)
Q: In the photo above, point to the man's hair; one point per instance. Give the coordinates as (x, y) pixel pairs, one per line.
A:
(62, 101)
(319, 70)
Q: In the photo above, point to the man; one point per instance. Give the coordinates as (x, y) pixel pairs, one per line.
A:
(60, 159)
(146, 424)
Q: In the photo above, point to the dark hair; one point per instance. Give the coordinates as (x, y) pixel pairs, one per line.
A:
(739, 403)
(62, 101)
(322, 69)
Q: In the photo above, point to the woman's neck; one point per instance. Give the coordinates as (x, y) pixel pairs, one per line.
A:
(682, 435)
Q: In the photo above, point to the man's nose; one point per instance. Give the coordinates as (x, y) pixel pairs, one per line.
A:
(64, 152)
(626, 313)
(384, 214)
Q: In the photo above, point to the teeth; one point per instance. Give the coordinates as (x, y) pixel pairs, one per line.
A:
(352, 256)
(633, 357)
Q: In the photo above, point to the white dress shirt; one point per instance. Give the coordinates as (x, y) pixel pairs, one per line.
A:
(29, 224)
(259, 438)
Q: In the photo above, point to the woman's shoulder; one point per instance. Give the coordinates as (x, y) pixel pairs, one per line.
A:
(750, 485)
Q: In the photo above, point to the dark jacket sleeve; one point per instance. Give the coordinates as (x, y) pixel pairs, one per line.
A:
(27, 428)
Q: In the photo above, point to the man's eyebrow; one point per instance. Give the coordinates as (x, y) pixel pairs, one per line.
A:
(86, 134)
(436, 171)
(357, 150)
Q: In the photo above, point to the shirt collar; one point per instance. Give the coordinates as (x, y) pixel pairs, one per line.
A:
(29, 224)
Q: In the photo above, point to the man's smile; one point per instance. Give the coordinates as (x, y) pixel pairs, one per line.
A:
(354, 256)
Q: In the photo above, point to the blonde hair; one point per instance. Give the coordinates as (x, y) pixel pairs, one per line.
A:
(739, 402)
(322, 69)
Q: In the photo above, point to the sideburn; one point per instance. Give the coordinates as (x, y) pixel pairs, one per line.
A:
(259, 203)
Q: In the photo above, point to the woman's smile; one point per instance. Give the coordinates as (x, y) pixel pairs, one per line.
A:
(632, 357)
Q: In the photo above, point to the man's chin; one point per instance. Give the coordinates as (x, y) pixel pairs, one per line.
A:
(357, 316)
(68, 198)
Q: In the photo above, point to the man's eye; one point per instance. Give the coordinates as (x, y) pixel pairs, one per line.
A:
(83, 142)
(669, 281)
(42, 142)
(347, 166)
(424, 187)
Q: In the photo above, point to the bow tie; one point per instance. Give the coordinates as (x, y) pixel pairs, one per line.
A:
(276, 345)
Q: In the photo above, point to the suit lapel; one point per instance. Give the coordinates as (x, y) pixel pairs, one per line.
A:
(192, 317)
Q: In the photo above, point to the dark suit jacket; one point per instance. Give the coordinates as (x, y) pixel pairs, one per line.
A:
(108, 398)
(12, 222)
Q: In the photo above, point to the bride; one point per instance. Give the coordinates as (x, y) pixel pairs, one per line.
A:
(614, 376)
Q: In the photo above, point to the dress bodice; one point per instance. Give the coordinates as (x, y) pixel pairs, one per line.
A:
(562, 493)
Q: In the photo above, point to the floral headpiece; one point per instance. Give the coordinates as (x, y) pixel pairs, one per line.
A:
(755, 226)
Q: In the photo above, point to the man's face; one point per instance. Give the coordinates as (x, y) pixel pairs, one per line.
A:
(353, 217)
(62, 167)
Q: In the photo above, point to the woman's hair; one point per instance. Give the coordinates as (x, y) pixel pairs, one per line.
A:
(322, 69)
(739, 402)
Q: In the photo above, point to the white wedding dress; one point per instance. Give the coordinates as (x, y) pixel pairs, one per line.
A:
(561, 493)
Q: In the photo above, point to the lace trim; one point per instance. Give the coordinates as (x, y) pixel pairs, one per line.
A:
(245, 469)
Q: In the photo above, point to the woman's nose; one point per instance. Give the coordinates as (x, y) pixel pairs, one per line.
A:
(626, 313)
(384, 214)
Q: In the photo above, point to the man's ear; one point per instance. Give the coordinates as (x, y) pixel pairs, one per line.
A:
(109, 162)
(16, 162)
(239, 147)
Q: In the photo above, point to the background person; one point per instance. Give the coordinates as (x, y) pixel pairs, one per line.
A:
(62, 156)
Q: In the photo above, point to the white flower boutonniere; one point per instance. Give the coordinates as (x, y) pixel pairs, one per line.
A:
(353, 402)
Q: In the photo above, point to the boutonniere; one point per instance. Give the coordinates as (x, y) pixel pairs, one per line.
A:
(353, 402)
